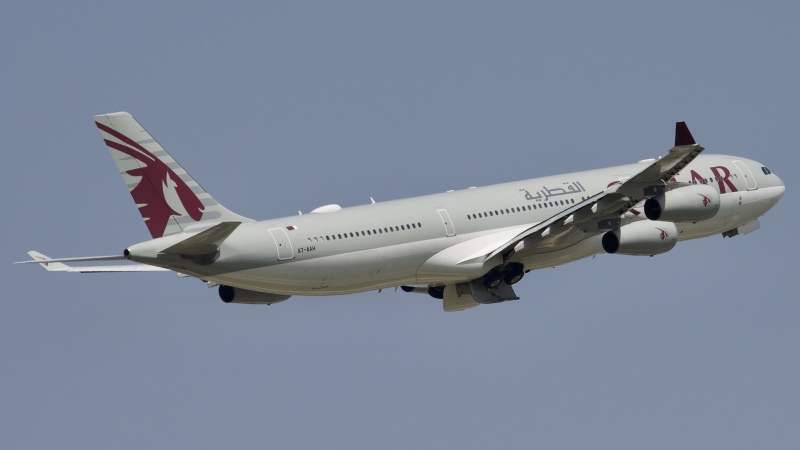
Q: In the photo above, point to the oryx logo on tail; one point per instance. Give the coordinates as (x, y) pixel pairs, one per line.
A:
(159, 193)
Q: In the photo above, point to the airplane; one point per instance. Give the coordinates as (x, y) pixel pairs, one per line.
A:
(465, 247)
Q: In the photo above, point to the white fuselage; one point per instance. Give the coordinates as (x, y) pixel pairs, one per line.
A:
(409, 241)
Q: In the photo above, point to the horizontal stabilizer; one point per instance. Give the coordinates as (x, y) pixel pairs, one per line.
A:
(205, 242)
(38, 258)
(57, 265)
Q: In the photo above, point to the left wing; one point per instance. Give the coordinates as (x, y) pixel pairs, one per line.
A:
(57, 265)
(604, 210)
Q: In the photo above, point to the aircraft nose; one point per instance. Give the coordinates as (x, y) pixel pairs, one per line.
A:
(781, 187)
(776, 189)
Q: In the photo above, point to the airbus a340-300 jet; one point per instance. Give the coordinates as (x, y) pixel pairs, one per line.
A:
(465, 247)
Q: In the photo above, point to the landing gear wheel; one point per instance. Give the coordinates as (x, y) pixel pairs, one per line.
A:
(436, 292)
(513, 273)
(492, 279)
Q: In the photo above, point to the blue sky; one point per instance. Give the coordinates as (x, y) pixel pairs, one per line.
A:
(276, 107)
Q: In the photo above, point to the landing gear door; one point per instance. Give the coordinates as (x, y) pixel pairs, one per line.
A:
(283, 244)
(749, 179)
(448, 224)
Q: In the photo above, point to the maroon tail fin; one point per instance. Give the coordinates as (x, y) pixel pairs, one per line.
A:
(682, 135)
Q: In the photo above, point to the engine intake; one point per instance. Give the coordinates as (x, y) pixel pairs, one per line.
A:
(230, 294)
(645, 237)
(684, 204)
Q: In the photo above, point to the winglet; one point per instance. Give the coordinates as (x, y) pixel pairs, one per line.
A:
(682, 135)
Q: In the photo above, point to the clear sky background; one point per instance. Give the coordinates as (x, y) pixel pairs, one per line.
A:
(277, 107)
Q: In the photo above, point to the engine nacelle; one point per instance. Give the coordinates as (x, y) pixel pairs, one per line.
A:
(230, 294)
(645, 237)
(684, 204)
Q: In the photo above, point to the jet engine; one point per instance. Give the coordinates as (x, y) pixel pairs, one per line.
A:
(684, 204)
(645, 237)
(230, 294)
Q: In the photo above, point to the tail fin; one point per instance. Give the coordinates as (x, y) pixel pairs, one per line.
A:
(168, 198)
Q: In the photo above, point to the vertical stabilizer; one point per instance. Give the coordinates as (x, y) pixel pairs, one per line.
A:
(168, 198)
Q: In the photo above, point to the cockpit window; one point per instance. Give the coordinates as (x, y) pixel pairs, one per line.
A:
(765, 170)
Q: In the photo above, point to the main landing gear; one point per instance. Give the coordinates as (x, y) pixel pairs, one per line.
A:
(511, 274)
(494, 287)
(436, 292)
